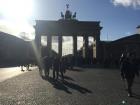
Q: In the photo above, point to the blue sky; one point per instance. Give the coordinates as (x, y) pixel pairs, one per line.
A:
(118, 18)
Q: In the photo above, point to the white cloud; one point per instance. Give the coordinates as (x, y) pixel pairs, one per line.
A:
(128, 33)
(127, 3)
(24, 31)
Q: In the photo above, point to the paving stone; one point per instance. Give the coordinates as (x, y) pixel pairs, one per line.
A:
(81, 87)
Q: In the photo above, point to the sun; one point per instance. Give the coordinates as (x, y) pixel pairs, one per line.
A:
(16, 14)
(16, 9)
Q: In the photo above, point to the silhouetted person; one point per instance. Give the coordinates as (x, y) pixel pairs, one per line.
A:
(22, 68)
(129, 69)
(47, 65)
(27, 67)
(40, 67)
(123, 61)
(62, 68)
(123, 57)
(71, 61)
(56, 64)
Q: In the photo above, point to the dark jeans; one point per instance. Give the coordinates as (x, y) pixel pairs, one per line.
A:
(62, 75)
(129, 84)
(55, 73)
(47, 70)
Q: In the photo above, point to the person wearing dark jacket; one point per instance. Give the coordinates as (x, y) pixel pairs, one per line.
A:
(46, 62)
(56, 67)
(62, 68)
(129, 69)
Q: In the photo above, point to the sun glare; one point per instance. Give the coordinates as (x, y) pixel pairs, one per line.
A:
(15, 16)
(16, 9)
(22, 30)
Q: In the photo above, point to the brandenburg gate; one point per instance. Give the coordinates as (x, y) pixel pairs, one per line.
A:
(68, 25)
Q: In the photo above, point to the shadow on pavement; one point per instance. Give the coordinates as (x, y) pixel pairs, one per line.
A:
(57, 84)
(65, 85)
(76, 69)
(76, 87)
(136, 96)
(68, 78)
(136, 82)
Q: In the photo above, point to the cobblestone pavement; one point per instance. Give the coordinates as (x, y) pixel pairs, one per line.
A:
(81, 87)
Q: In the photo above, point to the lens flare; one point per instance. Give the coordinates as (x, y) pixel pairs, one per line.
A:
(16, 9)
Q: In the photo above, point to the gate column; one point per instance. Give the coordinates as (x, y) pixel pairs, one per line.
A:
(85, 50)
(60, 45)
(98, 47)
(75, 49)
(49, 45)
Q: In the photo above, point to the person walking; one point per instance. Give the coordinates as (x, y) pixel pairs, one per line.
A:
(129, 69)
(62, 69)
(47, 65)
(56, 67)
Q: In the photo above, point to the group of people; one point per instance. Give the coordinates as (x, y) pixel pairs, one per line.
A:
(27, 67)
(129, 69)
(57, 64)
(128, 66)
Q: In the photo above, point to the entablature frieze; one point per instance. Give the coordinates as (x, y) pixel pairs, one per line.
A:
(68, 28)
